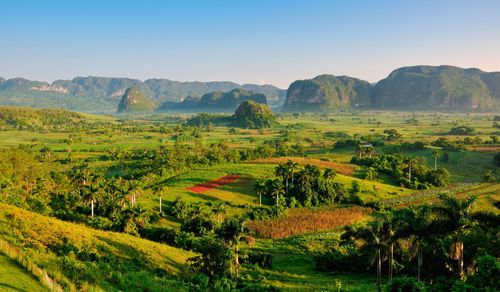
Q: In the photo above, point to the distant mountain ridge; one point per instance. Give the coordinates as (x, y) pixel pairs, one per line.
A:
(446, 88)
(216, 101)
(82, 93)
(443, 88)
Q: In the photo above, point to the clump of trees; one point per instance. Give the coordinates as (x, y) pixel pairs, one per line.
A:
(309, 185)
(462, 130)
(252, 115)
(408, 171)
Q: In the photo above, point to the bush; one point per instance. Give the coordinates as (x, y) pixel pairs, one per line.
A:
(487, 274)
(263, 260)
(462, 130)
(405, 284)
(496, 159)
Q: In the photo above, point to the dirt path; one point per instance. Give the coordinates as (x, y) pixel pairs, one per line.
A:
(221, 181)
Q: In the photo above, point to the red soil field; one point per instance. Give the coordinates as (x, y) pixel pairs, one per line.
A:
(221, 181)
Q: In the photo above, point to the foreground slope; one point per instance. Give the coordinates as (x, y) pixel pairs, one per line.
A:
(81, 258)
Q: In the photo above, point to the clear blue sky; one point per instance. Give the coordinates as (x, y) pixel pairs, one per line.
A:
(252, 41)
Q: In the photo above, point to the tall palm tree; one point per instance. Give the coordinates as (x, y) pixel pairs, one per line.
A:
(293, 167)
(231, 231)
(372, 242)
(411, 163)
(260, 188)
(91, 194)
(457, 218)
(282, 170)
(415, 223)
(435, 154)
(388, 235)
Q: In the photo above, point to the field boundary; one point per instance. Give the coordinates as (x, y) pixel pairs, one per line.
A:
(15, 253)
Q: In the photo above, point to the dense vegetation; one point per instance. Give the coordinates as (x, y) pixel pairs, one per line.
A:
(253, 115)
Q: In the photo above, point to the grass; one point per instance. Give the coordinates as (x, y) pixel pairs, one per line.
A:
(15, 278)
(293, 267)
(62, 249)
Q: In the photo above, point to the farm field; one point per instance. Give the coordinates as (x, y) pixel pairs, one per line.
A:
(154, 193)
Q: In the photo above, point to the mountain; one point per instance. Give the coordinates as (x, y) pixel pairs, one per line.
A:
(91, 93)
(134, 101)
(216, 101)
(439, 88)
(408, 88)
(275, 96)
(326, 93)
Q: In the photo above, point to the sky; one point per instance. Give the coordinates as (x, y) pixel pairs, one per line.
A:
(245, 41)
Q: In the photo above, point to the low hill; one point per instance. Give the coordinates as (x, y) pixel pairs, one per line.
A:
(81, 258)
(134, 101)
(23, 118)
(215, 101)
(252, 115)
(327, 93)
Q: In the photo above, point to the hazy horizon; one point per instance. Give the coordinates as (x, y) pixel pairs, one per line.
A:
(243, 42)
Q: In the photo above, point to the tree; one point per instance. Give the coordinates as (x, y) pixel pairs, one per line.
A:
(371, 238)
(457, 218)
(410, 163)
(91, 192)
(260, 188)
(435, 154)
(214, 259)
(283, 171)
(371, 173)
(496, 159)
(392, 135)
(230, 232)
(415, 223)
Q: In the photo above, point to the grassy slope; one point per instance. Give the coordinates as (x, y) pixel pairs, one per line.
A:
(14, 278)
(91, 258)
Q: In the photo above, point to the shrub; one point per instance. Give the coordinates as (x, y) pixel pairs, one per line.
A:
(405, 284)
(462, 130)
